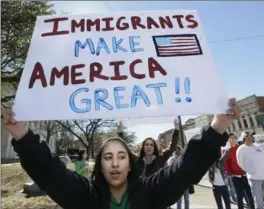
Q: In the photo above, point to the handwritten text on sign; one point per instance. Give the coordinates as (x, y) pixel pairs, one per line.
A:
(119, 65)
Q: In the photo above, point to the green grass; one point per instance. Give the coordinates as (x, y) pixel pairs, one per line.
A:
(13, 178)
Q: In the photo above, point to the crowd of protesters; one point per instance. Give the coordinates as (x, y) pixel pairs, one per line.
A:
(239, 173)
(123, 180)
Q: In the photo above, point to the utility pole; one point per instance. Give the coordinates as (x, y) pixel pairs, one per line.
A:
(181, 132)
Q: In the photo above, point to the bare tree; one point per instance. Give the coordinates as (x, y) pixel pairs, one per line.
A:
(50, 128)
(85, 131)
(99, 137)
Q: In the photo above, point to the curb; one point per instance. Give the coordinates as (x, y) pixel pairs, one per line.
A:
(205, 186)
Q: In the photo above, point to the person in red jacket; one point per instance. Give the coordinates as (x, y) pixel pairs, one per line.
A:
(238, 175)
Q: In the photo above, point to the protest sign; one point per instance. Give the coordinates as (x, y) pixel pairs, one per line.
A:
(119, 65)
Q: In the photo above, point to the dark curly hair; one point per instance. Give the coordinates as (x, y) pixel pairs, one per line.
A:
(80, 155)
(142, 152)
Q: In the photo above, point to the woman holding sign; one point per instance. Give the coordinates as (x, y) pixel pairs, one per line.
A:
(115, 183)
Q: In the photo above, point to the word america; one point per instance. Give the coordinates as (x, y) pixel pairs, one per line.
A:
(120, 23)
(72, 75)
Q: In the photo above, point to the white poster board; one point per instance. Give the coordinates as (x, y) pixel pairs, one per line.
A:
(119, 65)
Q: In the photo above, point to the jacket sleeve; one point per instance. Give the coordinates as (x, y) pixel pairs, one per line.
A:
(226, 166)
(64, 186)
(168, 184)
(169, 152)
(223, 158)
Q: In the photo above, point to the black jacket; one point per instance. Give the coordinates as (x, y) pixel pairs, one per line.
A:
(159, 161)
(72, 191)
(220, 164)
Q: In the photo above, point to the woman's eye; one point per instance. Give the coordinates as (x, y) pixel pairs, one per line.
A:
(107, 158)
(122, 157)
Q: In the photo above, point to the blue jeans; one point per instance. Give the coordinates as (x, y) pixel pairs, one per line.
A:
(256, 188)
(243, 190)
(186, 200)
(231, 188)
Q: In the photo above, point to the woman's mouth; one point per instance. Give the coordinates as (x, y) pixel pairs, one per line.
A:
(115, 174)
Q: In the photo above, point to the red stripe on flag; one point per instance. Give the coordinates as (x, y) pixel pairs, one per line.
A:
(183, 42)
(176, 46)
(179, 53)
(184, 49)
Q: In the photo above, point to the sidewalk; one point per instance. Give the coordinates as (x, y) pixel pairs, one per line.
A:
(205, 183)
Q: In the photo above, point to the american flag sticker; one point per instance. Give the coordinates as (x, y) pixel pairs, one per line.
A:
(177, 45)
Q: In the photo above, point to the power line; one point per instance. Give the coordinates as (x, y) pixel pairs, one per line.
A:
(237, 39)
(212, 42)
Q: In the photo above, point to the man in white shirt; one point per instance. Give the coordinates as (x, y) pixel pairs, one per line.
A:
(250, 158)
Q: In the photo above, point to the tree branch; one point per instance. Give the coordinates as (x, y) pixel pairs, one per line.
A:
(78, 125)
(7, 98)
(71, 131)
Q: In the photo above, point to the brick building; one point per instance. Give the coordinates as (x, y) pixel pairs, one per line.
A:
(252, 119)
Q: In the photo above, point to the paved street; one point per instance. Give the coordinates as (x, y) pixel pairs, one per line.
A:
(202, 199)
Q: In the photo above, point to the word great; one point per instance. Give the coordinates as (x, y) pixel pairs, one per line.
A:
(73, 75)
(101, 95)
(122, 23)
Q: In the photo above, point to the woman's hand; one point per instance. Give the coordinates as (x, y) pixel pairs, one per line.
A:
(176, 124)
(17, 129)
(221, 122)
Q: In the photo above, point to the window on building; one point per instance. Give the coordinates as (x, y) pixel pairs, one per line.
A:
(251, 121)
(233, 126)
(245, 123)
(239, 124)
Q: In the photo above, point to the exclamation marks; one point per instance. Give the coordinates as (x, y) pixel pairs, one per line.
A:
(187, 89)
(177, 89)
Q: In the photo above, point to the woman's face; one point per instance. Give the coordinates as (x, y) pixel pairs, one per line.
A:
(232, 140)
(149, 147)
(115, 164)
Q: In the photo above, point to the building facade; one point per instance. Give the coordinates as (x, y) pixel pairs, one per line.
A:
(252, 119)
(7, 151)
(189, 124)
(252, 111)
(166, 137)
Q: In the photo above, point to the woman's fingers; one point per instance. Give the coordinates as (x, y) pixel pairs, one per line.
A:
(233, 111)
(8, 117)
(232, 102)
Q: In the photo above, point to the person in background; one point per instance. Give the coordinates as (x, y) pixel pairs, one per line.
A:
(217, 177)
(238, 175)
(231, 188)
(80, 163)
(186, 194)
(250, 158)
(228, 179)
(115, 182)
(149, 159)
